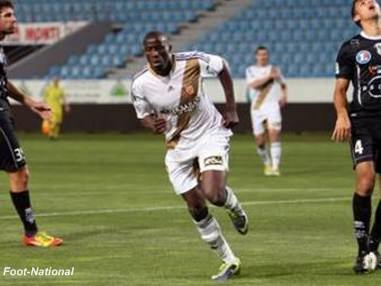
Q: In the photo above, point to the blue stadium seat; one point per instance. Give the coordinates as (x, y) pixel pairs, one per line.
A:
(296, 31)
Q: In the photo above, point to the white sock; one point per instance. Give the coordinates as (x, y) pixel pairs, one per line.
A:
(264, 154)
(232, 202)
(210, 232)
(276, 151)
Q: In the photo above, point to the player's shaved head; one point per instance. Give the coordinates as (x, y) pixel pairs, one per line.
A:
(154, 36)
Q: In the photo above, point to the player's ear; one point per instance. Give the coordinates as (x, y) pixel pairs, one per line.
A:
(356, 18)
(169, 48)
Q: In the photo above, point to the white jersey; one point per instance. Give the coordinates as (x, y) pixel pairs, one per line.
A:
(267, 95)
(180, 98)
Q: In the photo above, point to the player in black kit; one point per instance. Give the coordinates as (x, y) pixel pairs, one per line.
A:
(12, 159)
(359, 62)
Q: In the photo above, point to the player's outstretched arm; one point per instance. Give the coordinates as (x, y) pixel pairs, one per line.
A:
(157, 124)
(230, 117)
(41, 108)
(342, 130)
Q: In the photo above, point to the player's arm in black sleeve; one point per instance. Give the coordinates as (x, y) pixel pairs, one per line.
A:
(41, 108)
(344, 73)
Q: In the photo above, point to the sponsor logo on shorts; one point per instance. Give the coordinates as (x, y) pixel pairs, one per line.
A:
(213, 160)
(363, 57)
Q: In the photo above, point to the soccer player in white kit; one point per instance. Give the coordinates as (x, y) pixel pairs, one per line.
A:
(169, 99)
(268, 94)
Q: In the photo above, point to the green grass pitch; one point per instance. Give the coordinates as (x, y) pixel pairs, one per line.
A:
(109, 198)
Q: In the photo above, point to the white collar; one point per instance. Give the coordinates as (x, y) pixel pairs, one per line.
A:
(370, 37)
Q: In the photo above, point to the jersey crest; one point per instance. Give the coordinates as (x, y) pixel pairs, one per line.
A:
(363, 57)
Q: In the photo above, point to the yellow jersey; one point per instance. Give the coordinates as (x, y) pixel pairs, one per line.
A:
(54, 97)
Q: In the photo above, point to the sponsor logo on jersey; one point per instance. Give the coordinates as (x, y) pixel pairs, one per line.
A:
(183, 108)
(373, 70)
(355, 42)
(363, 57)
(189, 90)
(213, 160)
(378, 48)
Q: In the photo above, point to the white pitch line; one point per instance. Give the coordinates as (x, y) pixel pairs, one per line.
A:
(179, 207)
(94, 191)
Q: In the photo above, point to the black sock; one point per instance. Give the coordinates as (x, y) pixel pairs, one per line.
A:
(22, 204)
(375, 234)
(362, 210)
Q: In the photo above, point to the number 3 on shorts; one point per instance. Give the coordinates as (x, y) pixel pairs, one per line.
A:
(19, 153)
(358, 147)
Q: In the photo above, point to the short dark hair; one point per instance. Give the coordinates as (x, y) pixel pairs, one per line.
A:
(152, 35)
(353, 12)
(261, 48)
(6, 4)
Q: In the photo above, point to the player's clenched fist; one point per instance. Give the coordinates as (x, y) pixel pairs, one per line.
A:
(230, 119)
(159, 125)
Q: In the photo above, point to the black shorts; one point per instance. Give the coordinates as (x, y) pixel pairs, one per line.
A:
(366, 141)
(12, 157)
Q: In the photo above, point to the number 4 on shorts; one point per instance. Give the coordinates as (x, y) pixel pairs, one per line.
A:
(358, 147)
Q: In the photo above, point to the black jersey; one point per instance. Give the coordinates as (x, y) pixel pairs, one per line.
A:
(3, 74)
(359, 60)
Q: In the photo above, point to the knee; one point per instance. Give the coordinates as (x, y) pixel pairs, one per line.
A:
(216, 195)
(19, 180)
(22, 177)
(260, 142)
(365, 184)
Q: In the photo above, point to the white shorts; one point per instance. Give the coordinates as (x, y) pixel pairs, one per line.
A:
(211, 153)
(270, 115)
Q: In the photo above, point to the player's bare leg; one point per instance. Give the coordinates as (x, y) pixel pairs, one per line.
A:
(275, 150)
(210, 232)
(213, 186)
(20, 197)
(362, 210)
(263, 152)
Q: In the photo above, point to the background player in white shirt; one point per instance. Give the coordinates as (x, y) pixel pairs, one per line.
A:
(268, 94)
(168, 98)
